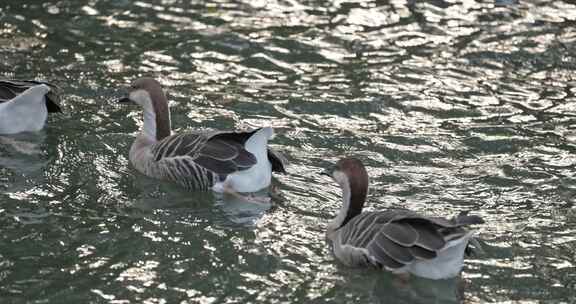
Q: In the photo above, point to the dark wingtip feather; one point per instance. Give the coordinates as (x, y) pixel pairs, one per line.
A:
(474, 248)
(278, 161)
(217, 166)
(464, 219)
(422, 253)
(221, 150)
(245, 159)
(51, 105)
(428, 236)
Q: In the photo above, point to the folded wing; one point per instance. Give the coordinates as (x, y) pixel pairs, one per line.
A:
(222, 153)
(396, 238)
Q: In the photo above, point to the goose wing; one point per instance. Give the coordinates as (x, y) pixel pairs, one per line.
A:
(396, 238)
(12, 88)
(219, 152)
(278, 161)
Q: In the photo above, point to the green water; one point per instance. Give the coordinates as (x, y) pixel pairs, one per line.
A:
(453, 105)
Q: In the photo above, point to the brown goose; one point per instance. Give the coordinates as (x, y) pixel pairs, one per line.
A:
(24, 105)
(222, 161)
(397, 240)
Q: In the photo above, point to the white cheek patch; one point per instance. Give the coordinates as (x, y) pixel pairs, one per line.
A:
(141, 97)
(340, 177)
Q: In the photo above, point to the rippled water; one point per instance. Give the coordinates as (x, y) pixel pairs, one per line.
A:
(453, 105)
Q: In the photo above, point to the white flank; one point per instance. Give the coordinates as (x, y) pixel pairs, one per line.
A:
(260, 175)
(25, 112)
(349, 255)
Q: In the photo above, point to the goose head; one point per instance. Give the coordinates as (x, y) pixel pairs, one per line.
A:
(148, 93)
(352, 177)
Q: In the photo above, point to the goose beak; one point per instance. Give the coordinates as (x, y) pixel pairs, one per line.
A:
(327, 172)
(123, 96)
(125, 100)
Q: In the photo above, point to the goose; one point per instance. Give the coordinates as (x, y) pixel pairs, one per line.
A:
(232, 162)
(24, 105)
(396, 240)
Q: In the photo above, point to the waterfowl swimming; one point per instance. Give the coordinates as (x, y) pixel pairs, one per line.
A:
(397, 240)
(224, 161)
(24, 105)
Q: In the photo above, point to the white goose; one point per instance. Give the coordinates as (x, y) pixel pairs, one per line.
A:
(397, 240)
(229, 162)
(24, 105)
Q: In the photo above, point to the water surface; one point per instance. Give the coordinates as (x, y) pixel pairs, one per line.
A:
(453, 105)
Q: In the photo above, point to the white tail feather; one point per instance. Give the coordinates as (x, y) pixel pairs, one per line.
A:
(25, 112)
(259, 176)
(447, 264)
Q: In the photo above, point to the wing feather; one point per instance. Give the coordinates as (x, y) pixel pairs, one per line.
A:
(220, 153)
(217, 166)
(245, 159)
(404, 235)
(428, 236)
(379, 254)
(421, 253)
(220, 150)
(464, 219)
(173, 146)
(362, 232)
(183, 166)
(399, 253)
(278, 161)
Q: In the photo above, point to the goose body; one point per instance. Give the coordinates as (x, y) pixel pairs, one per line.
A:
(24, 105)
(397, 240)
(200, 160)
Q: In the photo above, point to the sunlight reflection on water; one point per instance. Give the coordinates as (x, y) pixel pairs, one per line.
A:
(453, 106)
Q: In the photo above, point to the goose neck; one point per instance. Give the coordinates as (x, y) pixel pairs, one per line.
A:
(352, 204)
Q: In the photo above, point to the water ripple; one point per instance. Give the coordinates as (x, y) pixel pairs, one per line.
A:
(453, 106)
